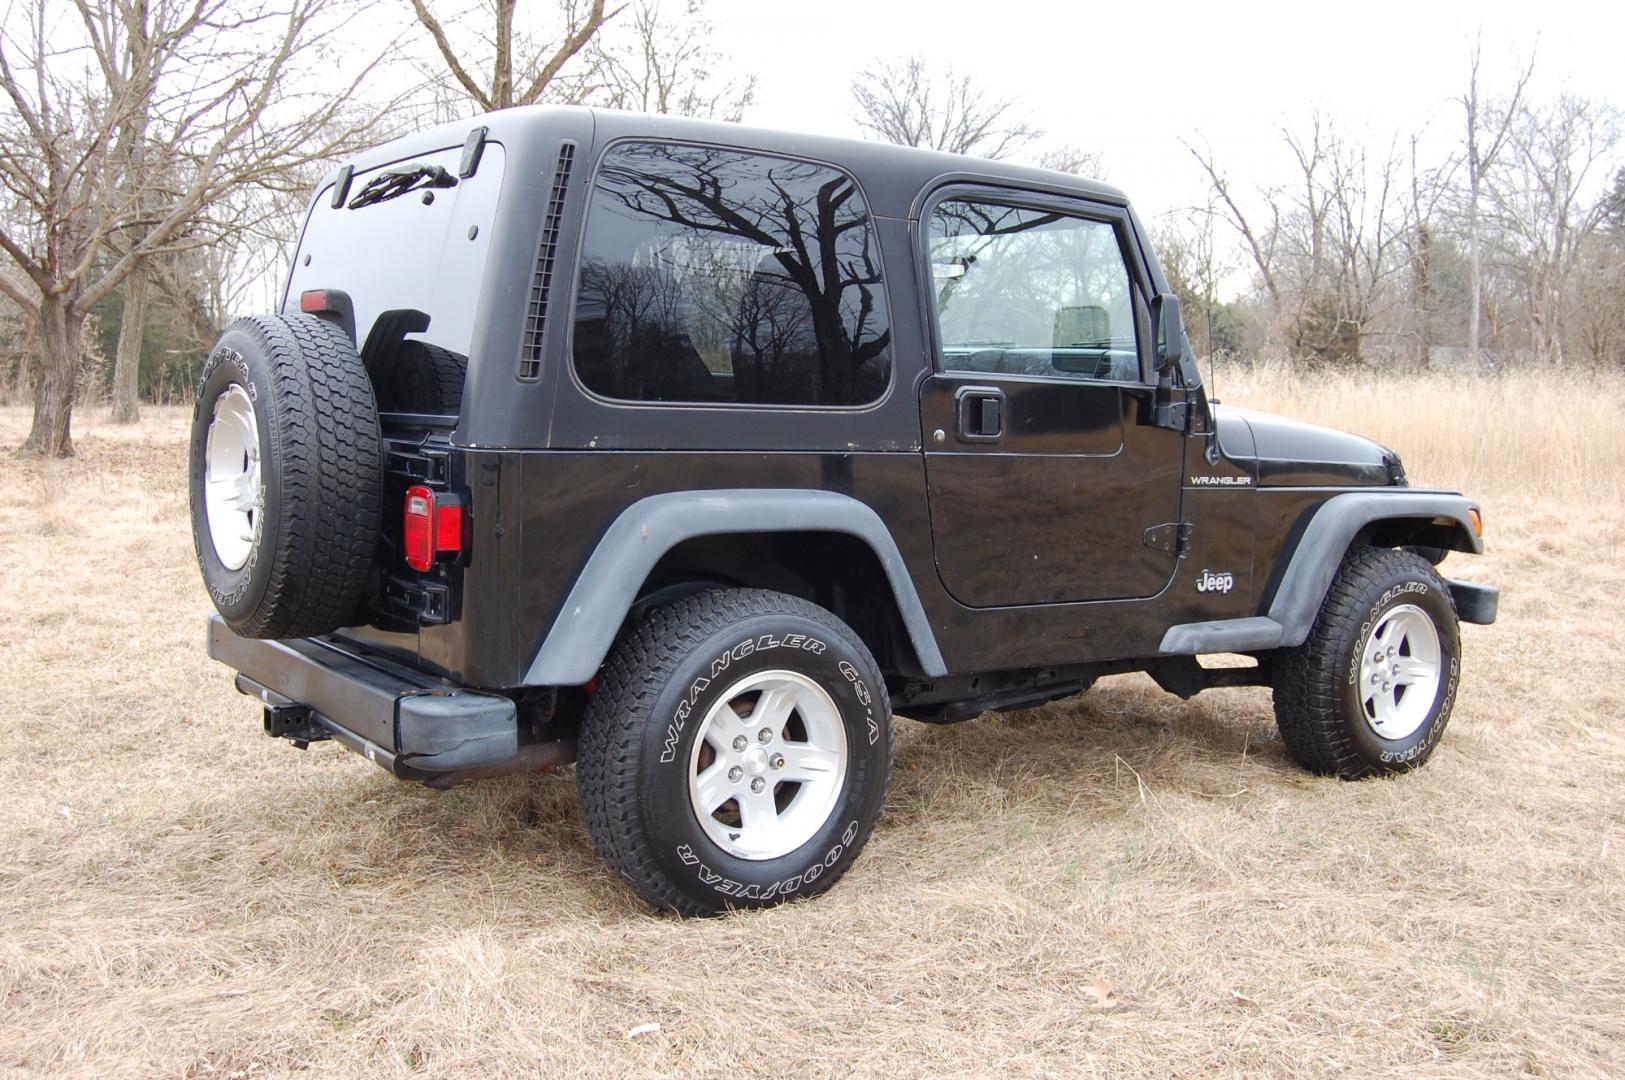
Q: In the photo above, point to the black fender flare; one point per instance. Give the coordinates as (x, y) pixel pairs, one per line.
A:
(1339, 520)
(1313, 562)
(584, 629)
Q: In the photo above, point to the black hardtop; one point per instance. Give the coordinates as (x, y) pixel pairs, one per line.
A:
(892, 176)
(542, 142)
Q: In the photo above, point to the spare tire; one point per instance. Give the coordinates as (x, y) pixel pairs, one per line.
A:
(286, 477)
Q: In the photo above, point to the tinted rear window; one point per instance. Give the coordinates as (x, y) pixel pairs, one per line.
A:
(712, 275)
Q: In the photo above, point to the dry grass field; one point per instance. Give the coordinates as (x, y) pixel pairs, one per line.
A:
(1119, 885)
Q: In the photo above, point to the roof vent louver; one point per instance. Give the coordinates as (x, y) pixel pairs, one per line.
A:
(530, 347)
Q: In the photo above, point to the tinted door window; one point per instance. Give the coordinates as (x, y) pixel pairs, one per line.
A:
(710, 275)
(1031, 292)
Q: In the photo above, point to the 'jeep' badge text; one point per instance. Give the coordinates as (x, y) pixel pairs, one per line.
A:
(1211, 582)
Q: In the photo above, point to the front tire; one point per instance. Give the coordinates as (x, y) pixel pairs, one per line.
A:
(736, 751)
(1370, 691)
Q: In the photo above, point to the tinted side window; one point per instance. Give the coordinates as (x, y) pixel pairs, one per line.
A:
(712, 275)
(1031, 292)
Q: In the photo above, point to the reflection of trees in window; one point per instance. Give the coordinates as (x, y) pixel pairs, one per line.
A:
(630, 325)
(769, 259)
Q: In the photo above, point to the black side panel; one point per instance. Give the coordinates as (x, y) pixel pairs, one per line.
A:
(538, 516)
(567, 500)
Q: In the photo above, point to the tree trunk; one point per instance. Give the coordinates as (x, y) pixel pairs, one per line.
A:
(61, 329)
(127, 363)
(1475, 274)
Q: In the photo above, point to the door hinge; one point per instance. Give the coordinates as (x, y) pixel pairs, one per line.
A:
(1175, 536)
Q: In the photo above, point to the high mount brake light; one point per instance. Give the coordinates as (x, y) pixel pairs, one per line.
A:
(431, 525)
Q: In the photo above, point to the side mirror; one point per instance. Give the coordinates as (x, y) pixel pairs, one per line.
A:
(1170, 332)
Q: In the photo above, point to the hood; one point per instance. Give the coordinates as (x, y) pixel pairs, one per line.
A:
(1289, 452)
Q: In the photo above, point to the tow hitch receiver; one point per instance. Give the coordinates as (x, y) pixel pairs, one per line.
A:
(293, 722)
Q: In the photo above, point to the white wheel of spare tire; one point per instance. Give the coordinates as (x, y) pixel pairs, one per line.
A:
(232, 493)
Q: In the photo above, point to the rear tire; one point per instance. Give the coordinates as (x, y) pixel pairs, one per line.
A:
(1370, 691)
(286, 477)
(736, 751)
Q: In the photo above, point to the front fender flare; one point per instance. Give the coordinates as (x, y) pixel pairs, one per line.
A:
(585, 627)
(1327, 538)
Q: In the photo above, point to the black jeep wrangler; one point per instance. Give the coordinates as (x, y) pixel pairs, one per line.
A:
(692, 453)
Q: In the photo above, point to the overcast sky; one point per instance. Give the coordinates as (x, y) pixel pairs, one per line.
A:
(1130, 80)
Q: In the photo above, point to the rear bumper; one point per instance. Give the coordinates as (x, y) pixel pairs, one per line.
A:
(414, 726)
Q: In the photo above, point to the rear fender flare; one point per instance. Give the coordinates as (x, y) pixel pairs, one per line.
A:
(585, 628)
(1334, 527)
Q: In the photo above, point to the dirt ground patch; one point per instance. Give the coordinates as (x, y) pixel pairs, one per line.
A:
(1119, 885)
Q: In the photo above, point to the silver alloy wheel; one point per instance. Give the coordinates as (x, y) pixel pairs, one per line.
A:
(1399, 672)
(768, 764)
(232, 496)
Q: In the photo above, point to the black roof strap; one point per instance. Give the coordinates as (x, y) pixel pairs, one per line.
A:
(472, 149)
(341, 186)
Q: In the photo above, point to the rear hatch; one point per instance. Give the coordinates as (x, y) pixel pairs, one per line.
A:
(411, 266)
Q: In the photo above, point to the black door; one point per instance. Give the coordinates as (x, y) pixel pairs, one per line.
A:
(1044, 471)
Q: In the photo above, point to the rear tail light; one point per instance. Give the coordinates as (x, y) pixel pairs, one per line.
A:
(432, 525)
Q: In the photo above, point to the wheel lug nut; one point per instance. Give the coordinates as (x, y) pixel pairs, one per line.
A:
(757, 785)
(740, 742)
(777, 761)
(1375, 677)
(765, 735)
(736, 774)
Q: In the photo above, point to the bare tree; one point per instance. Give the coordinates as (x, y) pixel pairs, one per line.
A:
(142, 64)
(649, 62)
(1075, 160)
(519, 70)
(1423, 253)
(1260, 241)
(1613, 204)
(1538, 210)
(908, 102)
(1488, 127)
(1188, 249)
(1323, 246)
(229, 115)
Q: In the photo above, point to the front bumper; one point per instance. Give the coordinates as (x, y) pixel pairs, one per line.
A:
(1475, 602)
(415, 726)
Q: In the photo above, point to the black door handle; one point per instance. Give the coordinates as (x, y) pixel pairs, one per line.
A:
(979, 413)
